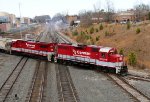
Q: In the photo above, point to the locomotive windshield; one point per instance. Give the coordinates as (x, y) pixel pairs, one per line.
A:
(112, 52)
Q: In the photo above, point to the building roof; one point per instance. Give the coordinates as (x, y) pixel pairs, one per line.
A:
(42, 19)
(4, 14)
(125, 13)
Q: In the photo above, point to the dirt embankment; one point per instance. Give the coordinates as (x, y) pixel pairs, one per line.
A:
(117, 35)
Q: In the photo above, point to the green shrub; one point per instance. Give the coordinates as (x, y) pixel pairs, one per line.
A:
(128, 26)
(107, 33)
(92, 30)
(132, 58)
(138, 30)
(97, 38)
(87, 37)
(92, 41)
(86, 31)
(121, 51)
(101, 27)
(82, 33)
(75, 33)
(90, 37)
(96, 30)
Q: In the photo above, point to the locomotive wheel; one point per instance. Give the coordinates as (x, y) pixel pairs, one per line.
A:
(65, 62)
(112, 70)
(69, 63)
(105, 69)
(60, 61)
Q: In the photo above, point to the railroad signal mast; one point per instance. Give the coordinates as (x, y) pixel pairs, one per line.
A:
(20, 21)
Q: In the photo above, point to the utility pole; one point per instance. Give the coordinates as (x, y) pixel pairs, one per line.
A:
(20, 21)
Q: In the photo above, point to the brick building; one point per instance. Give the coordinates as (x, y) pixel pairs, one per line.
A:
(71, 18)
(42, 19)
(125, 16)
(5, 21)
(5, 27)
(25, 20)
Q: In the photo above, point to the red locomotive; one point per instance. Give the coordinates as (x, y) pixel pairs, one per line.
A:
(35, 48)
(104, 58)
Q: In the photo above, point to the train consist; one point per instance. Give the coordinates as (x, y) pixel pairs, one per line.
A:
(104, 58)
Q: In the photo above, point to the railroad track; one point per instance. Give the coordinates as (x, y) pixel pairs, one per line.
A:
(37, 90)
(136, 77)
(39, 36)
(10, 81)
(54, 38)
(131, 90)
(66, 89)
(63, 38)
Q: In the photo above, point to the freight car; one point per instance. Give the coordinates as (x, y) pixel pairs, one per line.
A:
(104, 58)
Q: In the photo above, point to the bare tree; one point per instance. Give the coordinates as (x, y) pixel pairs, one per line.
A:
(85, 18)
(141, 11)
(98, 12)
(109, 10)
(59, 17)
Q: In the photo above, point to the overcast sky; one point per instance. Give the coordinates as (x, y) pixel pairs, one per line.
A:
(31, 8)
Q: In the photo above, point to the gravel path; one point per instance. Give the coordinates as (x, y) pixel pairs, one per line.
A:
(52, 93)
(95, 87)
(142, 86)
(7, 64)
(22, 85)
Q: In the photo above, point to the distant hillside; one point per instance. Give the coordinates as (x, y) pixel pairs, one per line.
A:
(136, 39)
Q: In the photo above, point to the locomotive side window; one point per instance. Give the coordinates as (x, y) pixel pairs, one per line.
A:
(79, 48)
(103, 55)
(43, 46)
(111, 53)
(62, 47)
(95, 50)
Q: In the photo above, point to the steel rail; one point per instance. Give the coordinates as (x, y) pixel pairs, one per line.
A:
(10, 81)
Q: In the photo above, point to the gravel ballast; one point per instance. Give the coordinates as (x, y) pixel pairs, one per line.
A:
(95, 87)
(7, 64)
(142, 86)
(23, 83)
(52, 93)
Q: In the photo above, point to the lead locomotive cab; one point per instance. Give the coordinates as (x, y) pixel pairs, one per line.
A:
(114, 62)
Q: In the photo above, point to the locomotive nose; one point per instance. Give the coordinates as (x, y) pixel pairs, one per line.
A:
(119, 58)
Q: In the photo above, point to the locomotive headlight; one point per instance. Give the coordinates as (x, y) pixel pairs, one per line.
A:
(120, 58)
